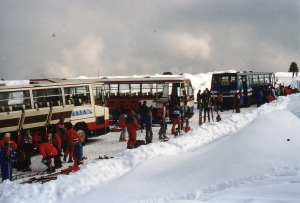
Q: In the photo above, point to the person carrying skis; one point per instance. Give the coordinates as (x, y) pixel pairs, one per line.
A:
(206, 102)
(48, 152)
(148, 121)
(54, 139)
(7, 155)
(27, 149)
(123, 127)
(176, 113)
(7, 138)
(70, 134)
(78, 153)
(198, 99)
(132, 126)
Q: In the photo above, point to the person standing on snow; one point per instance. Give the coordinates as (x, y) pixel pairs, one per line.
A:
(259, 98)
(132, 126)
(70, 134)
(206, 102)
(148, 121)
(7, 155)
(60, 126)
(176, 113)
(54, 139)
(78, 153)
(237, 101)
(27, 150)
(123, 127)
(220, 101)
(7, 138)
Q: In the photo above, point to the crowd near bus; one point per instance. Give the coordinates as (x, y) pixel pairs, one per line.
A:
(56, 119)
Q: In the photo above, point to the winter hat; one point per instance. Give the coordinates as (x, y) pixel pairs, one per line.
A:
(6, 135)
(75, 140)
(131, 112)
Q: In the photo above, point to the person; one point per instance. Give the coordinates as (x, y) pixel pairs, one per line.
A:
(237, 101)
(48, 152)
(70, 134)
(78, 154)
(287, 91)
(206, 102)
(54, 139)
(162, 114)
(259, 98)
(148, 122)
(143, 111)
(7, 155)
(294, 68)
(60, 126)
(7, 138)
(176, 118)
(123, 127)
(116, 116)
(220, 101)
(132, 126)
(198, 99)
(27, 150)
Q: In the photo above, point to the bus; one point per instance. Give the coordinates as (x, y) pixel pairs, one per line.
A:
(129, 92)
(36, 107)
(248, 82)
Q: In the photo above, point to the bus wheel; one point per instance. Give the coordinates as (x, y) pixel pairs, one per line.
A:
(82, 134)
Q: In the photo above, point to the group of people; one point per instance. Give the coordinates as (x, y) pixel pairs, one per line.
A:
(59, 138)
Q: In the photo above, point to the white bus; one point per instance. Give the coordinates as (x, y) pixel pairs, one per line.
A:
(34, 107)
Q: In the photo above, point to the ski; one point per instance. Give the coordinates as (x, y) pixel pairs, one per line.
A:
(200, 113)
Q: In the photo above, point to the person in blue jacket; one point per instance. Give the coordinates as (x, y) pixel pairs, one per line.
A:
(6, 156)
(259, 98)
(78, 154)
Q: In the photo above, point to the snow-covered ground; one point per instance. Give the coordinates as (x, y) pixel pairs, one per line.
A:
(245, 157)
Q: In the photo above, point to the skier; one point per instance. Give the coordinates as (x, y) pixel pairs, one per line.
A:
(54, 139)
(132, 126)
(198, 99)
(237, 101)
(7, 138)
(259, 98)
(27, 150)
(163, 113)
(123, 127)
(220, 101)
(176, 113)
(60, 126)
(143, 112)
(70, 134)
(148, 121)
(48, 152)
(78, 153)
(7, 155)
(206, 103)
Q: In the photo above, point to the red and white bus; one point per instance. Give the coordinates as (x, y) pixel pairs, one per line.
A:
(128, 92)
(34, 107)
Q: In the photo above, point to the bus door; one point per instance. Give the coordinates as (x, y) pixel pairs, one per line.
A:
(175, 95)
(101, 113)
(245, 90)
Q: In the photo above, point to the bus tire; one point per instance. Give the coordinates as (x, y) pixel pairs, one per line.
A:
(82, 132)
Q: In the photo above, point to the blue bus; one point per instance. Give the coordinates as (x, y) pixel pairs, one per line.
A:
(248, 82)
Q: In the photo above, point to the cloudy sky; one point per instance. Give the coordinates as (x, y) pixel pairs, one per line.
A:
(61, 38)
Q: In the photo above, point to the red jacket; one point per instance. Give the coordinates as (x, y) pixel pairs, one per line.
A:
(2, 143)
(122, 122)
(287, 91)
(132, 123)
(47, 149)
(70, 134)
(56, 140)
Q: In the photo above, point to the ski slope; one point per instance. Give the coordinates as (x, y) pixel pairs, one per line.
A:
(244, 158)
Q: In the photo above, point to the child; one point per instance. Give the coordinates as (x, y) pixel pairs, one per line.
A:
(7, 155)
(78, 153)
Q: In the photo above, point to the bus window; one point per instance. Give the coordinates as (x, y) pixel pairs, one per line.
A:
(250, 80)
(267, 79)
(135, 90)
(124, 90)
(47, 97)
(225, 80)
(78, 96)
(113, 90)
(261, 79)
(98, 96)
(255, 80)
(14, 101)
(216, 80)
(148, 90)
(240, 81)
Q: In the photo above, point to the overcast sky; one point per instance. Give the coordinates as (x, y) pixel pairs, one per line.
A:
(69, 38)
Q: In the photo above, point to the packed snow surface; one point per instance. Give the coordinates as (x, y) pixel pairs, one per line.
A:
(248, 157)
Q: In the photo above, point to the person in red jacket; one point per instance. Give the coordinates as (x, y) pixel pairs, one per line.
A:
(287, 91)
(54, 139)
(7, 138)
(132, 126)
(48, 152)
(70, 134)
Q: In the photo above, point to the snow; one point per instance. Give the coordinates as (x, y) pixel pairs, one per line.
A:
(244, 158)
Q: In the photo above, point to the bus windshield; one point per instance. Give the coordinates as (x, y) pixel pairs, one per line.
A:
(223, 80)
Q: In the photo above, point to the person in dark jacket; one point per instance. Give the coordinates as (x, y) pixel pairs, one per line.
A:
(7, 155)
(148, 121)
(27, 150)
(132, 126)
(206, 103)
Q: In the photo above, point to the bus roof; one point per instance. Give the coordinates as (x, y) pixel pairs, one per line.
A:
(15, 87)
(243, 73)
(129, 79)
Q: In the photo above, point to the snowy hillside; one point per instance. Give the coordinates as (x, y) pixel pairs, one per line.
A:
(245, 157)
